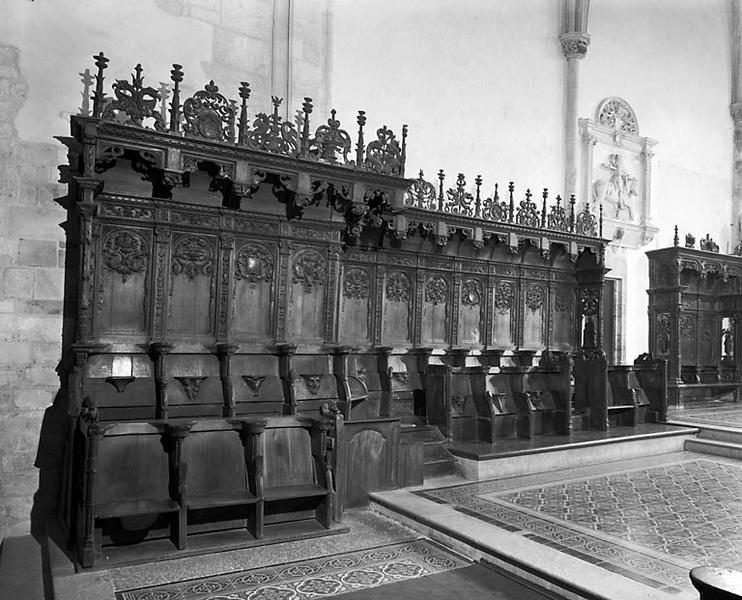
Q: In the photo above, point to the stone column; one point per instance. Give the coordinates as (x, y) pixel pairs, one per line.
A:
(575, 40)
(736, 111)
(281, 54)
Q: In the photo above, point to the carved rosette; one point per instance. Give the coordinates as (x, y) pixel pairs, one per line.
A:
(125, 252)
(356, 284)
(398, 287)
(309, 268)
(254, 263)
(535, 295)
(436, 290)
(193, 256)
(504, 295)
(471, 293)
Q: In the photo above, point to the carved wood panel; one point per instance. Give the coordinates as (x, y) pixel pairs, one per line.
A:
(397, 308)
(255, 275)
(191, 301)
(436, 312)
(355, 319)
(308, 288)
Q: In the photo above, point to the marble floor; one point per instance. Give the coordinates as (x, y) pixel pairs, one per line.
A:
(640, 524)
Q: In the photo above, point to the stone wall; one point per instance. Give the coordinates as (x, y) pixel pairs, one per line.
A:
(31, 291)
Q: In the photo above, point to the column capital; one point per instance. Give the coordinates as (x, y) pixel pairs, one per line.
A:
(574, 44)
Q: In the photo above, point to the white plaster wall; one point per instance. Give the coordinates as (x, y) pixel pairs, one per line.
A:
(479, 83)
(670, 60)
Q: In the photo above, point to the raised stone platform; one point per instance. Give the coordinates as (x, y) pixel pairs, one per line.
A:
(512, 457)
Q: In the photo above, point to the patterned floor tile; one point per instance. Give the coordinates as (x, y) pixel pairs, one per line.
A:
(320, 577)
(655, 522)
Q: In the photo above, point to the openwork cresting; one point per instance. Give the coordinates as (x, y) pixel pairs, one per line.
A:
(458, 201)
(210, 115)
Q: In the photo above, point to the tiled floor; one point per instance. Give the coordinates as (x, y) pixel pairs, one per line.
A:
(650, 520)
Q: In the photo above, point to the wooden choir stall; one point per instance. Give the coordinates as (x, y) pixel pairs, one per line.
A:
(694, 319)
(265, 320)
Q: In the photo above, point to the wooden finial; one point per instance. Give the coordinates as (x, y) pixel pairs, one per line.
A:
(478, 201)
(102, 63)
(176, 75)
(360, 145)
(676, 239)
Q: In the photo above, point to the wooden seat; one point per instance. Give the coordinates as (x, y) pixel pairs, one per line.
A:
(297, 481)
(220, 461)
(127, 475)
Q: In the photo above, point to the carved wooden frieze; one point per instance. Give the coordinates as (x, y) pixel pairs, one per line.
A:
(193, 256)
(309, 268)
(398, 287)
(254, 263)
(122, 211)
(125, 252)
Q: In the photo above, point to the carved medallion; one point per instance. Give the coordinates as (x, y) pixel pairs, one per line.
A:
(436, 290)
(535, 297)
(309, 269)
(504, 297)
(254, 262)
(355, 284)
(208, 114)
(125, 252)
(398, 287)
(471, 293)
(193, 256)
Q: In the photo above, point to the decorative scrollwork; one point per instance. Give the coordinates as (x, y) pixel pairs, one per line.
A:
(471, 293)
(494, 210)
(309, 269)
(558, 220)
(535, 295)
(355, 284)
(527, 212)
(329, 141)
(271, 134)
(398, 287)
(459, 201)
(617, 114)
(125, 252)
(586, 223)
(254, 262)
(421, 194)
(134, 102)
(436, 290)
(589, 301)
(384, 155)
(504, 295)
(193, 256)
(208, 114)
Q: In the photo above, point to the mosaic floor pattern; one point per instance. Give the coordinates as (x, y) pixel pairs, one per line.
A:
(651, 524)
(318, 577)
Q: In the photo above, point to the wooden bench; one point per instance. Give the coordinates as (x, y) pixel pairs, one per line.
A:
(126, 486)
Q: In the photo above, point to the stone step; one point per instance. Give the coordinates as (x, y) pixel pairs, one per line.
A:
(21, 573)
(721, 434)
(440, 467)
(715, 447)
(537, 459)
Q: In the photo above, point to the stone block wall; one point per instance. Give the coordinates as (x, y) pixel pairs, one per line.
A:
(31, 292)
